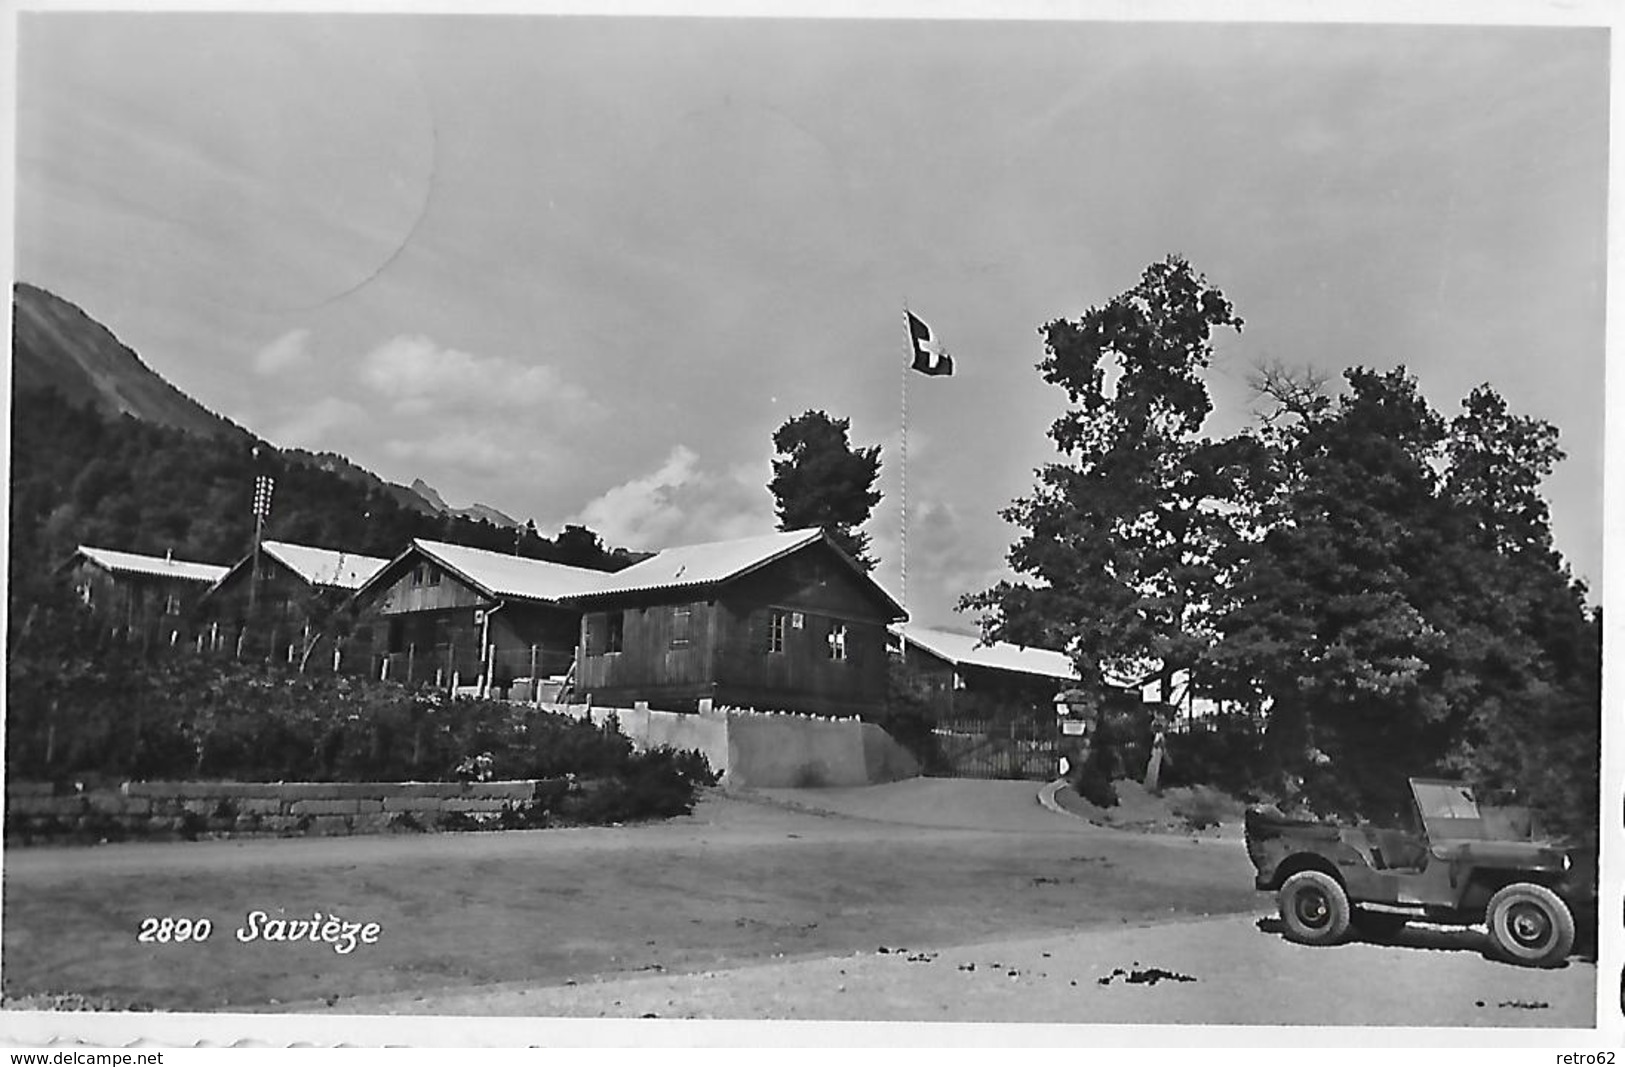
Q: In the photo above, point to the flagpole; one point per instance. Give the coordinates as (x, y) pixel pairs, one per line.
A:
(902, 468)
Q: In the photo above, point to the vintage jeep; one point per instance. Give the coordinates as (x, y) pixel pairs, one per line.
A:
(1455, 865)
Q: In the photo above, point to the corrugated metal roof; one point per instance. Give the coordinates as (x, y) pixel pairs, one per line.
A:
(963, 649)
(157, 566)
(504, 575)
(705, 564)
(325, 566)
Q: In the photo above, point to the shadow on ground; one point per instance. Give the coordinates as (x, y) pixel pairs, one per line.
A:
(1421, 937)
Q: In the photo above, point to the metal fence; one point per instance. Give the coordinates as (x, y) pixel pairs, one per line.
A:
(998, 748)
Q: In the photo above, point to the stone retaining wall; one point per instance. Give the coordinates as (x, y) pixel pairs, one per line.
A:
(188, 809)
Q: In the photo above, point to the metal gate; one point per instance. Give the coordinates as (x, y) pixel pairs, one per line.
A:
(997, 748)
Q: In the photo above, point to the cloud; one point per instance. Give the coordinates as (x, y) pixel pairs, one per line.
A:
(286, 353)
(472, 448)
(312, 426)
(948, 557)
(419, 375)
(681, 503)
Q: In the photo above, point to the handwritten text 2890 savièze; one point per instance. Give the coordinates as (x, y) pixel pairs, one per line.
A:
(344, 936)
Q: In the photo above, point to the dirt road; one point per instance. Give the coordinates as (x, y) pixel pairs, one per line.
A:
(1223, 970)
(925, 900)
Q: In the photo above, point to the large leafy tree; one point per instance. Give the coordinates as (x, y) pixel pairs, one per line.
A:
(820, 479)
(1403, 613)
(1125, 540)
(1498, 461)
(1328, 620)
(1532, 651)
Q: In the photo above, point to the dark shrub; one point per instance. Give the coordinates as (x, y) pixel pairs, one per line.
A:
(1095, 786)
(1227, 753)
(78, 711)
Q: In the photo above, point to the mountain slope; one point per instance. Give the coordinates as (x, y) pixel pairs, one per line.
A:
(175, 477)
(333, 463)
(476, 511)
(55, 345)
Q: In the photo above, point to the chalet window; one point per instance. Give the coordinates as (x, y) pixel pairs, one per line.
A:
(680, 626)
(172, 604)
(434, 575)
(615, 631)
(837, 642)
(417, 575)
(775, 633)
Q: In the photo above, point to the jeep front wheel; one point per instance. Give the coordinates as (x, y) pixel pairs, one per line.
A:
(1314, 908)
(1530, 924)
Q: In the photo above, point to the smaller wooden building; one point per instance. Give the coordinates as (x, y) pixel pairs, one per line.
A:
(300, 591)
(992, 704)
(471, 619)
(782, 621)
(136, 591)
(965, 675)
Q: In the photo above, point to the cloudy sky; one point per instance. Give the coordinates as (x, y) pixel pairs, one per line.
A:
(581, 268)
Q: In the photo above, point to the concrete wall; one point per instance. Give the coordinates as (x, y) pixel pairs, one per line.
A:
(144, 809)
(706, 732)
(767, 750)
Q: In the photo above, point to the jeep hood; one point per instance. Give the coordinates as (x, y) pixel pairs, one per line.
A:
(1522, 855)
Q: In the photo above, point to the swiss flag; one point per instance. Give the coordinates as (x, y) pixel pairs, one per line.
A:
(929, 355)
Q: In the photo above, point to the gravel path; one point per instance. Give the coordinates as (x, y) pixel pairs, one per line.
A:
(1231, 969)
(1222, 970)
(927, 900)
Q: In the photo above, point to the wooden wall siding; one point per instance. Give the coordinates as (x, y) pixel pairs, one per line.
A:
(452, 638)
(935, 672)
(426, 630)
(986, 690)
(814, 580)
(804, 668)
(648, 659)
(282, 593)
(402, 596)
(1014, 686)
(130, 599)
(727, 658)
(529, 637)
(519, 626)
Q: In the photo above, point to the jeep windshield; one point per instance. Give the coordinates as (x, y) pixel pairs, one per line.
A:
(1448, 810)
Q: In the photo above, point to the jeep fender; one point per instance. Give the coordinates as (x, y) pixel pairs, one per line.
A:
(1300, 861)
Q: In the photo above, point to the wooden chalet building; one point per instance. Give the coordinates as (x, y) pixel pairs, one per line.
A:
(299, 587)
(964, 674)
(136, 591)
(783, 621)
(472, 619)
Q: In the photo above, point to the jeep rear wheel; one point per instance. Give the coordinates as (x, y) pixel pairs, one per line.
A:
(1314, 908)
(1530, 924)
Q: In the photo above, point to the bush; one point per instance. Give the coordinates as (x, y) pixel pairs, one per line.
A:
(1202, 807)
(78, 712)
(1095, 785)
(1228, 753)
